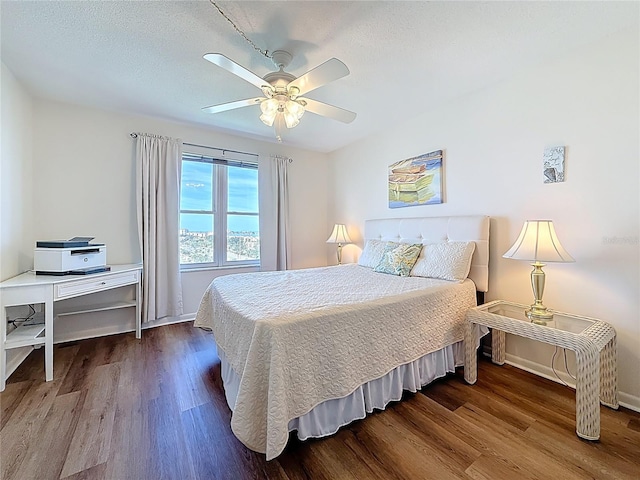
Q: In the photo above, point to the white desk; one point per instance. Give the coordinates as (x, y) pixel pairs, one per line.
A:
(30, 289)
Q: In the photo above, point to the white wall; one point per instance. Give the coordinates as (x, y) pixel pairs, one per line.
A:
(83, 184)
(16, 253)
(493, 142)
(16, 210)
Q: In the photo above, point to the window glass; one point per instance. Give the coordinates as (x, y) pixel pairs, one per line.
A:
(196, 238)
(242, 189)
(218, 198)
(196, 186)
(243, 239)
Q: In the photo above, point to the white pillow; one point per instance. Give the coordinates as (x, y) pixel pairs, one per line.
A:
(372, 253)
(447, 261)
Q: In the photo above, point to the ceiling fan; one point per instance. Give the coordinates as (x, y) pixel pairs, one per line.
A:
(283, 103)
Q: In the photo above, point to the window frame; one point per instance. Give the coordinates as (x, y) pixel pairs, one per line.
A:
(219, 205)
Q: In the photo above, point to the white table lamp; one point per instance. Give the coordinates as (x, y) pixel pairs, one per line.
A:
(538, 243)
(340, 236)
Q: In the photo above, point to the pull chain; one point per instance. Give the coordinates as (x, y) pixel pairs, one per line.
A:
(256, 48)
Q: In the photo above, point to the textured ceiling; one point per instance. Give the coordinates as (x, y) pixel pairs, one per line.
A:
(405, 57)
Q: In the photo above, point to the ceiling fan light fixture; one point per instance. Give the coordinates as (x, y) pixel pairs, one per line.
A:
(292, 113)
(294, 108)
(290, 119)
(269, 109)
(268, 119)
(293, 92)
(269, 106)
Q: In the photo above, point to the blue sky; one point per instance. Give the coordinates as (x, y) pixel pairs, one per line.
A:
(196, 194)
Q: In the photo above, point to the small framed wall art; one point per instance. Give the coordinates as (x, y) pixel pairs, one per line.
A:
(416, 180)
(553, 165)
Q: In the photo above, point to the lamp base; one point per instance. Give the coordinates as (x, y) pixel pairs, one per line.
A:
(539, 314)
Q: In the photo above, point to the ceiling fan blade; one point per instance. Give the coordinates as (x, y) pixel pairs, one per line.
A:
(327, 110)
(233, 67)
(223, 107)
(321, 75)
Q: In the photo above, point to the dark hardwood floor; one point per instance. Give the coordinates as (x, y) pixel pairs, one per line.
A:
(121, 408)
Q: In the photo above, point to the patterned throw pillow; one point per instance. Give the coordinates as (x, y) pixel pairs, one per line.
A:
(398, 259)
(447, 261)
(372, 253)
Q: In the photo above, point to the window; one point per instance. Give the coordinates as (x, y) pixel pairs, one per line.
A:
(218, 212)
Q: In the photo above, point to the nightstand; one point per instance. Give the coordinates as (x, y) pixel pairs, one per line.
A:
(593, 341)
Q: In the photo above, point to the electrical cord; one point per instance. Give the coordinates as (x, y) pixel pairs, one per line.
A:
(553, 361)
(240, 32)
(566, 366)
(16, 322)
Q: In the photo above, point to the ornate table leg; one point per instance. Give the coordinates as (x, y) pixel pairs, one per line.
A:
(498, 353)
(587, 390)
(470, 352)
(609, 375)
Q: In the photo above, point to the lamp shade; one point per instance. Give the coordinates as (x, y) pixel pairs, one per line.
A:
(339, 234)
(538, 242)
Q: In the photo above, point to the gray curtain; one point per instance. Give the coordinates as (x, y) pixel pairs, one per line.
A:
(158, 164)
(275, 236)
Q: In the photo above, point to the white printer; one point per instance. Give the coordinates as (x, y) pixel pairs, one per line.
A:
(69, 257)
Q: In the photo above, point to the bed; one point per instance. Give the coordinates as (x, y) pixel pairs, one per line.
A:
(312, 350)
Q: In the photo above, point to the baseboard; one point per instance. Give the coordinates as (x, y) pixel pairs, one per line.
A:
(626, 400)
(117, 329)
(629, 401)
(186, 317)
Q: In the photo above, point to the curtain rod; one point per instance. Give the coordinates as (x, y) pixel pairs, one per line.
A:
(288, 159)
(223, 150)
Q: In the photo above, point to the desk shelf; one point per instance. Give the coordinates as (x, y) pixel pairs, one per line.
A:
(25, 336)
(103, 307)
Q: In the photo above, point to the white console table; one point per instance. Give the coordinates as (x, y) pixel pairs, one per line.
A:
(31, 289)
(593, 341)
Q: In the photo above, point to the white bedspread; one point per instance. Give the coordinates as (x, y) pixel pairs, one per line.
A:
(298, 338)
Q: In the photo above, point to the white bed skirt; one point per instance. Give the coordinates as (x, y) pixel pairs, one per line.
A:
(327, 417)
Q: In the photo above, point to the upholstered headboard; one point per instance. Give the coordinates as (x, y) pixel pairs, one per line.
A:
(472, 228)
